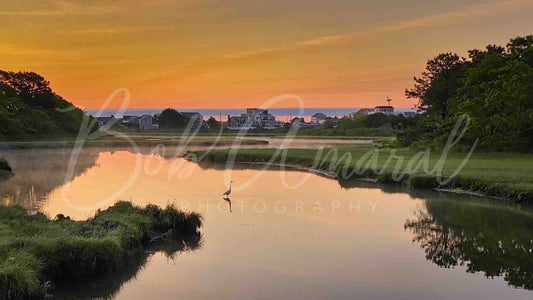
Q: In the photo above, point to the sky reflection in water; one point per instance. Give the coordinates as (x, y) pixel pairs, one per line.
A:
(319, 240)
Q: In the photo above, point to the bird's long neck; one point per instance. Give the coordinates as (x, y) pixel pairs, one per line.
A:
(230, 185)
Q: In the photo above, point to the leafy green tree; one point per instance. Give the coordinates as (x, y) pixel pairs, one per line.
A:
(498, 96)
(375, 120)
(172, 119)
(438, 84)
(31, 86)
(328, 124)
(493, 86)
(213, 124)
(29, 107)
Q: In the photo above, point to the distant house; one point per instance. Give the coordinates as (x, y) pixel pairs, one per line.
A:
(308, 125)
(103, 121)
(196, 118)
(109, 121)
(318, 118)
(254, 118)
(300, 123)
(386, 110)
(333, 120)
(238, 122)
(143, 122)
(155, 123)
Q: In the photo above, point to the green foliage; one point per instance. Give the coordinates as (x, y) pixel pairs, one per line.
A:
(172, 119)
(455, 232)
(494, 87)
(213, 124)
(361, 125)
(35, 250)
(28, 107)
(4, 165)
(507, 176)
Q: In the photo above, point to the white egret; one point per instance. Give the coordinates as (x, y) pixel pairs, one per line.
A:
(228, 191)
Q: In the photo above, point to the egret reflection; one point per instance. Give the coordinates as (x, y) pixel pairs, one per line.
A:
(227, 199)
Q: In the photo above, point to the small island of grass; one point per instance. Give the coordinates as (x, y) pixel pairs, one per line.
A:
(36, 253)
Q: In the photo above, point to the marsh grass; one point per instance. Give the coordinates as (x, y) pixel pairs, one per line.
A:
(140, 141)
(506, 175)
(36, 252)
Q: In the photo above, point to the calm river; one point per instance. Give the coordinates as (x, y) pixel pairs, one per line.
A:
(287, 234)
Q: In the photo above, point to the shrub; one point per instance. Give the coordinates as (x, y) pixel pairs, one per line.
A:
(4, 165)
(35, 250)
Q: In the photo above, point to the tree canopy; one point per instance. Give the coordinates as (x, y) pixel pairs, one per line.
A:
(29, 107)
(172, 119)
(494, 87)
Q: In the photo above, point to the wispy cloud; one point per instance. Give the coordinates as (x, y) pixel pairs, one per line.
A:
(65, 8)
(465, 14)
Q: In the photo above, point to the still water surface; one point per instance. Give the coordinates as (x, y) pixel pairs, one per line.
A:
(289, 234)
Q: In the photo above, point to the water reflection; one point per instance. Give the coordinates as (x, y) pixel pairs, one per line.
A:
(227, 199)
(331, 238)
(37, 173)
(107, 287)
(479, 235)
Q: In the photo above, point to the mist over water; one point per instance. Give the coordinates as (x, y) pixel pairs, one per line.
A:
(322, 239)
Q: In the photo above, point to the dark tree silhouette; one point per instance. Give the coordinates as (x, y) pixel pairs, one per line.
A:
(483, 237)
(170, 118)
(31, 86)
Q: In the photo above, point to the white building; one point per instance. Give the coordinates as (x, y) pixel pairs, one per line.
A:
(254, 118)
(386, 110)
(143, 122)
(318, 118)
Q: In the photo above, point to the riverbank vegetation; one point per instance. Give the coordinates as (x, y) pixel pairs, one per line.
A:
(5, 168)
(29, 108)
(37, 253)
(4, 165)
(362, 124)
(493, 87)
(141, 140)
(502, 175)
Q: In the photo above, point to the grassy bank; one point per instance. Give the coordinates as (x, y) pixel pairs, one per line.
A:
(36, 252)
(139, 140)
(502, 175)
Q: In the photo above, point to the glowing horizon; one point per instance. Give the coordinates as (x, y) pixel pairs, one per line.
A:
(217, 54)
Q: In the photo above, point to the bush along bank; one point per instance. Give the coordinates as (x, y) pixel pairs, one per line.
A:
(513, 193)
(36, 252)
(5, 169)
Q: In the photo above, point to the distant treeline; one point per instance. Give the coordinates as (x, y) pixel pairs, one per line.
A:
(494, 87)
(29, 108)
(361, 124)
(172, 119)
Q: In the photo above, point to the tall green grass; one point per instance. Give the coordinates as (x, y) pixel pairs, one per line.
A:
(506, 175)
(36, 252)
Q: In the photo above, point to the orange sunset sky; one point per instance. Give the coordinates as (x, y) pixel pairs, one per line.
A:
(239, 53)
